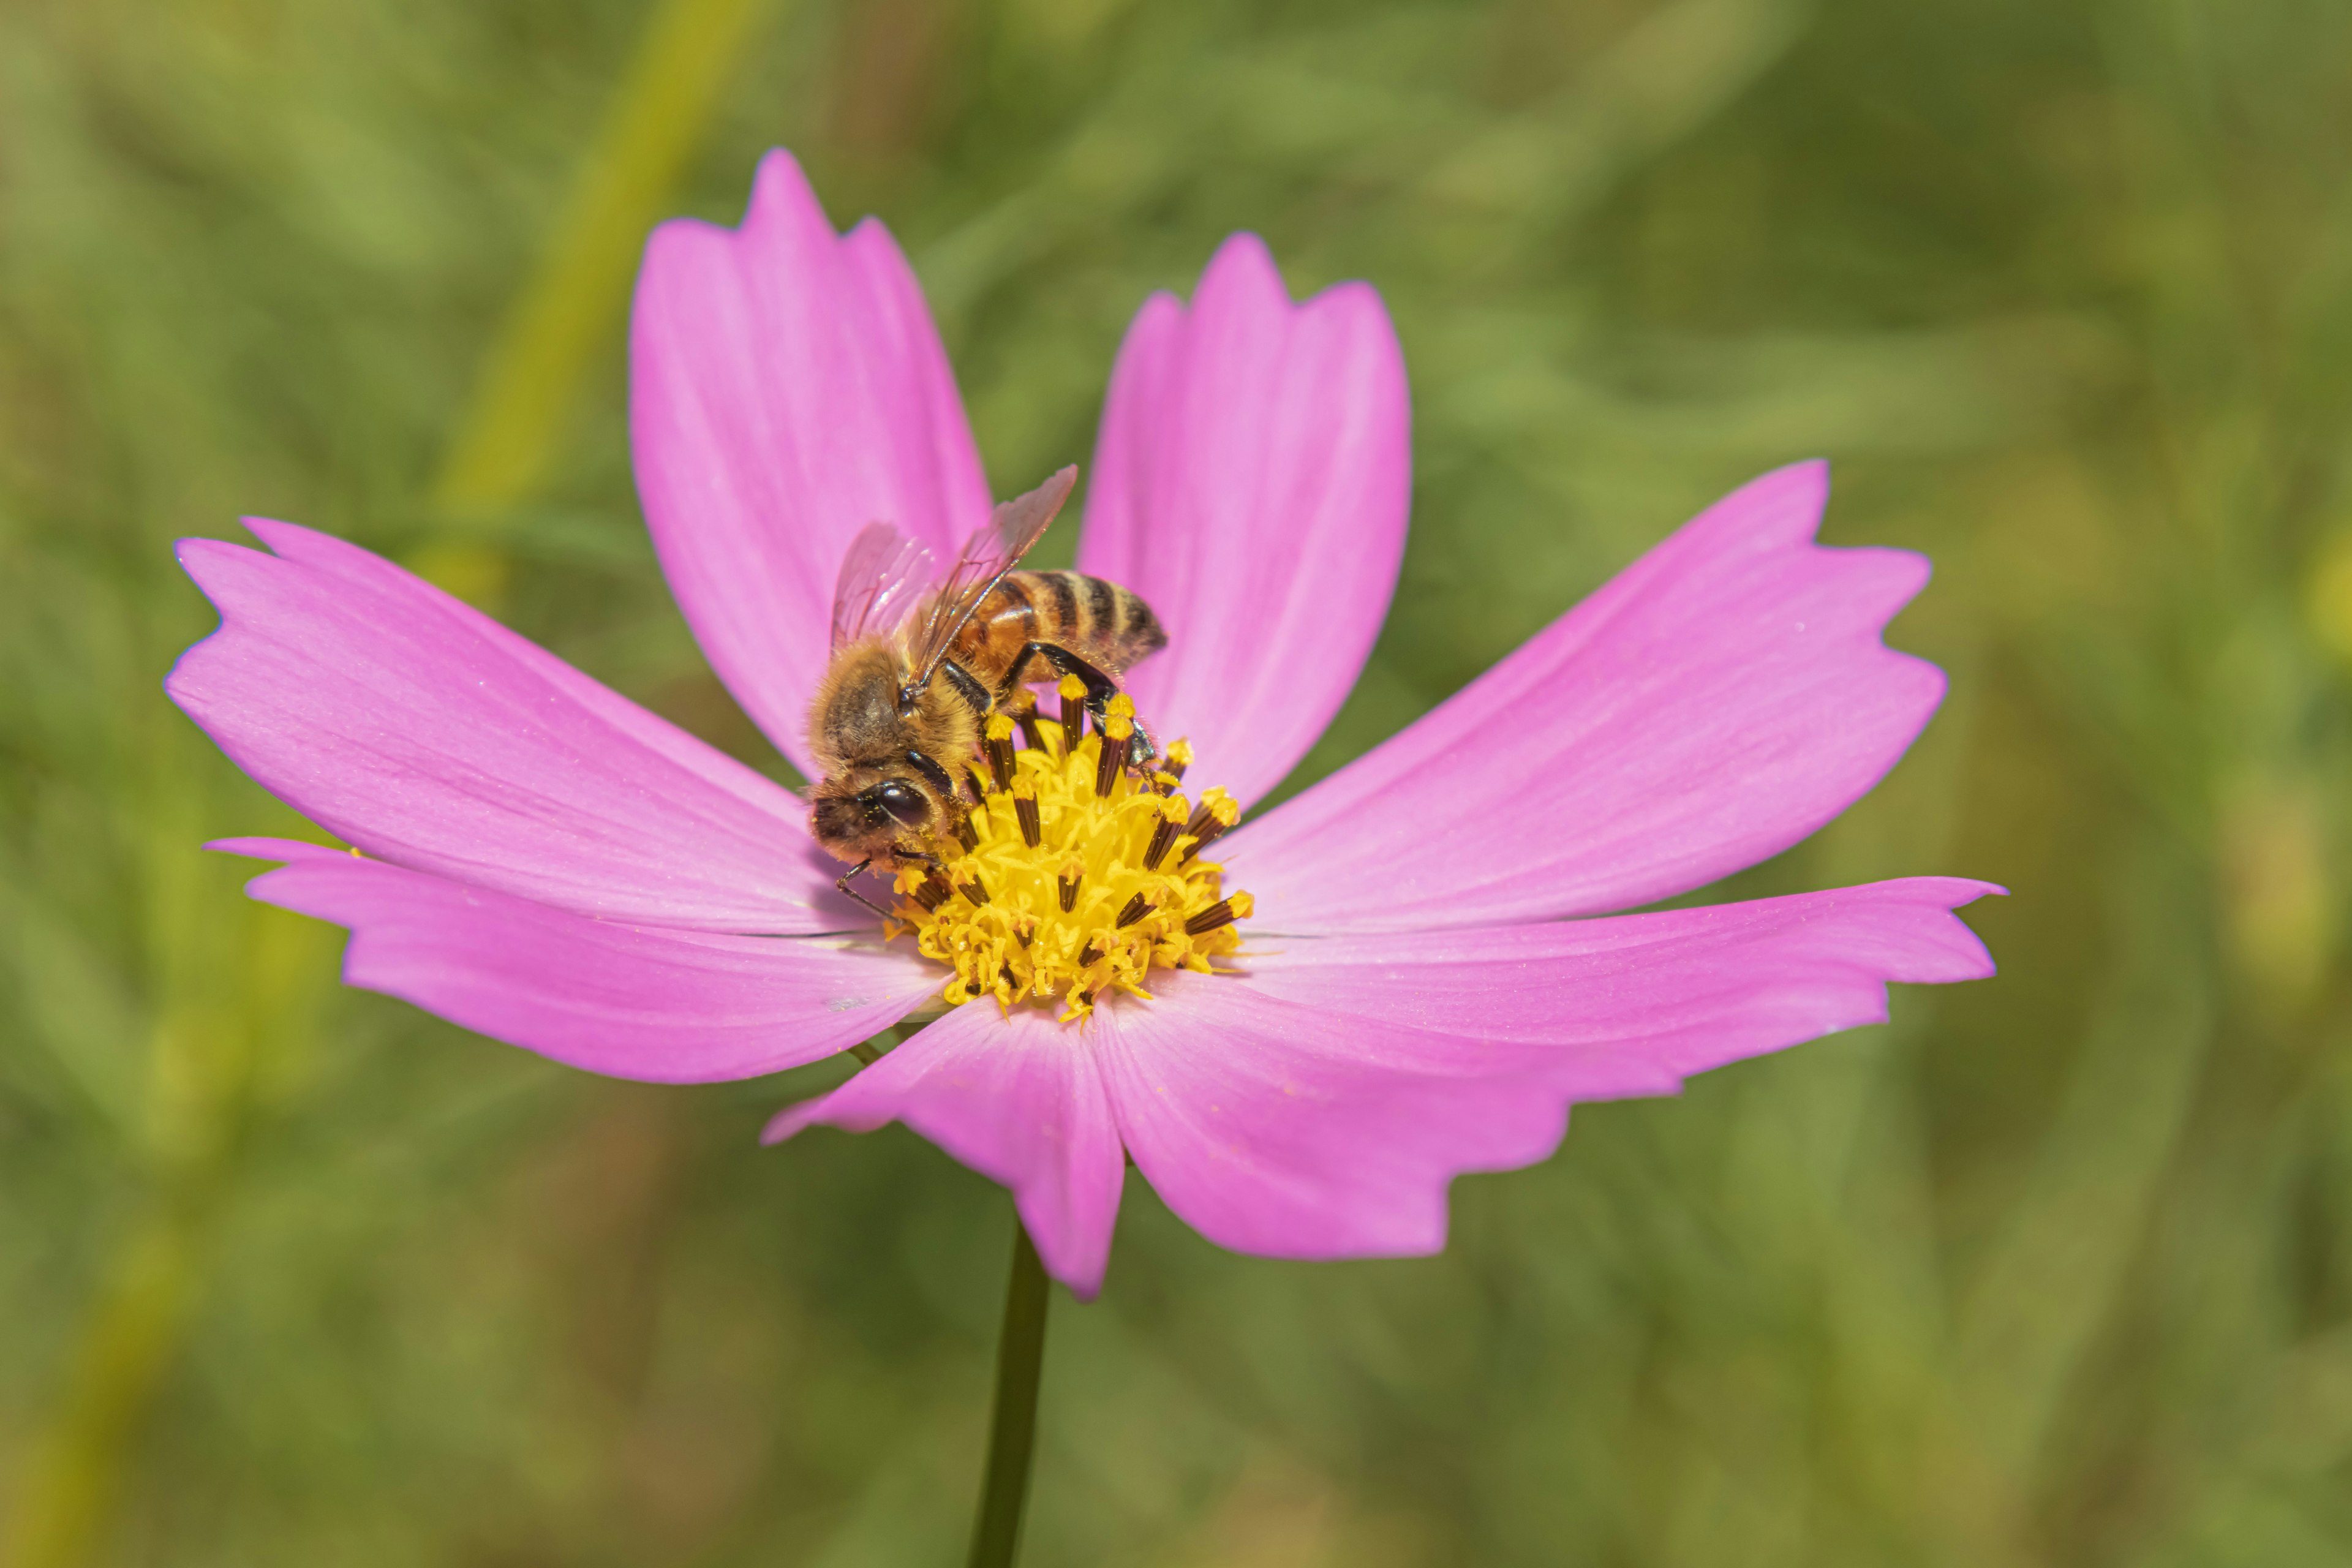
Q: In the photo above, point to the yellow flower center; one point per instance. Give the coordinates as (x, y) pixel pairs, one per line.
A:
(1073, 877)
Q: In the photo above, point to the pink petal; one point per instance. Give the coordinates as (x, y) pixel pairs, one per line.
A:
(669, 1006)
(1293, 1131)
(430, 736)
(787, 388)
(1318, 1105)
(1716, 702)
(1019, 1100)
(1637, 1003)
(1251, 482)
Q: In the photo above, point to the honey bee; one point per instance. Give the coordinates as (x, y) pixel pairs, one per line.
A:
(898, 720)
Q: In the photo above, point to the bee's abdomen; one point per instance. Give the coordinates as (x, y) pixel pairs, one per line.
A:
(1101, 622)
(1089, 613)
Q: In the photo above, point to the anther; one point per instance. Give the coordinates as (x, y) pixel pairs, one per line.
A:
(1025, 806)
(999, 735)
(1023, 947)
(1223, 913)
(1216, 814)
(1163, 834)
(1117, 728)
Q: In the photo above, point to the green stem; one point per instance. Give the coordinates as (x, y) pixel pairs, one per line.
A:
(1020, 1357)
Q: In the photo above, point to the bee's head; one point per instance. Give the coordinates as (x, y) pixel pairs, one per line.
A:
(863, 814)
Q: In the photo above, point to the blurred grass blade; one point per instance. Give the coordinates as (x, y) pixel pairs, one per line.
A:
(2054, 1274)
(133, 1330)
(1670, 75)
(201, 1065)
(625, 185)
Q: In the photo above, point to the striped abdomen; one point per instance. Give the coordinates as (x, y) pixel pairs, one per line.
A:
(1100, 622)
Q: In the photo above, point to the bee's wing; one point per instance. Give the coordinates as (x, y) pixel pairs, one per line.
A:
(985, 558)
(882, 574)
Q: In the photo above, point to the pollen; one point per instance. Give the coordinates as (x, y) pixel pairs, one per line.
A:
(1072, 878)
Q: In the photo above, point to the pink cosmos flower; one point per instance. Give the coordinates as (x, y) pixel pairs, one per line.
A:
(537, 859)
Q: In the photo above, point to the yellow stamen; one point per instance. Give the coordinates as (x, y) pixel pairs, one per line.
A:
(1218, 811)
(1025, 811)
(997, 741)
(1164, 832)
(1073, 692)
(1079, 879)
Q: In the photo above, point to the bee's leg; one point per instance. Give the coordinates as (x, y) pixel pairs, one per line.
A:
(841, 884)
(1023, 708)
(966, 685)
(1100, 687)
(1015, 673)
(1142, 750)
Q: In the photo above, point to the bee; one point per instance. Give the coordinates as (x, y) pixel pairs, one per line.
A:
(896, 722)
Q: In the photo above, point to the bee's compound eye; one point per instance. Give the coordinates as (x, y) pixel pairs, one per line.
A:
(902, 801)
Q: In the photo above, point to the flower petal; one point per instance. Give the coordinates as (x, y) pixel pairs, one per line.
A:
(1293, 1132)
(787, 388)
(667, 1006)
(1716, 702)
(1019, 1100)
(1637, 1003)
(430, 736)
(1251, 482)
(1317, 1104)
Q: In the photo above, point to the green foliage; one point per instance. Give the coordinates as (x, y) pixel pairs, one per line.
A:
(2056, 1270)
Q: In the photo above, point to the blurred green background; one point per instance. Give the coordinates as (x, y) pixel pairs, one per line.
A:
(2055, 1269)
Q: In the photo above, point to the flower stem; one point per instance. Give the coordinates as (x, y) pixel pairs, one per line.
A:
(1020, 1357)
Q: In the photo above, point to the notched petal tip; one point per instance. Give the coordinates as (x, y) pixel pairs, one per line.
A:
(793, 1119)
(1288, 569)
(201, 554)
(787, 387)
(1015, 1098)
(781, 191)
(284, 850)
(1801, 487)
(402, 720)
(1722, 698)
